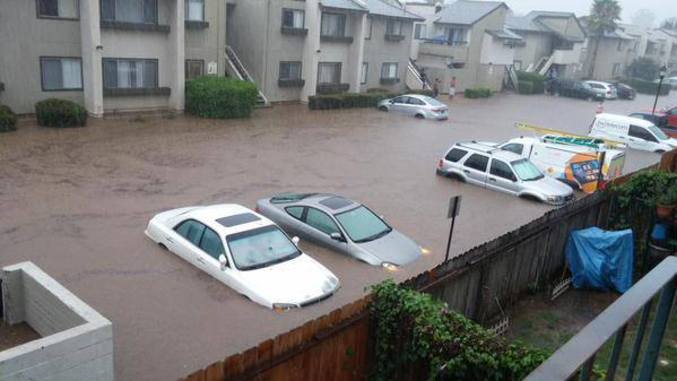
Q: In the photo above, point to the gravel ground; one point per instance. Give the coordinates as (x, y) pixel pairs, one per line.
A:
(76, 203)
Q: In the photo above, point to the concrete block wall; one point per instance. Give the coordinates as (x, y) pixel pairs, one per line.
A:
(76, 343)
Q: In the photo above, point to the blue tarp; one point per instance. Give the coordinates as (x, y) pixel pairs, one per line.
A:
(600, 259)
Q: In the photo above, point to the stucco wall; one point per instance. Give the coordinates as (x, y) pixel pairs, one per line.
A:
(537, 45)
(378, 51)
(76, 343)
(24, 38)
(209, 44)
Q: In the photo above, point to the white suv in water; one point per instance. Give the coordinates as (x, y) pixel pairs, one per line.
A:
(493, 168)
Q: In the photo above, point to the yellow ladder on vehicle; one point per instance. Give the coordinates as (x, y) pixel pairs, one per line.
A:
(544, 131)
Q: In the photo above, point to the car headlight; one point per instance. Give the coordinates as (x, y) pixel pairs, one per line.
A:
(281, 307)
(389, 266)
(330, 285)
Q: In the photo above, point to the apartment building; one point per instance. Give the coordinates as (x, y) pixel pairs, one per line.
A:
(109, 55)
(552, 41)
(615, 52)
(295, 49)
(467, 40)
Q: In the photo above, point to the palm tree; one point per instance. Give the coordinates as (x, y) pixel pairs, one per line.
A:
(603, 17)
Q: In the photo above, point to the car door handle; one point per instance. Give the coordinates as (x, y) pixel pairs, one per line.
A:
(169, 240)
(466, 171)
(200, 260)
(492, 179)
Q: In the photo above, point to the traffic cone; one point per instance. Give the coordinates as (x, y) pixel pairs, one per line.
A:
(600, 108)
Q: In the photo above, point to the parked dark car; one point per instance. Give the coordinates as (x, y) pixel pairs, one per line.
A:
(624, 91)
(659, 119)
(572, 88)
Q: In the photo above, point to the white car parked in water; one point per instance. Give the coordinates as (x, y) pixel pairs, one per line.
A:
(247, 252)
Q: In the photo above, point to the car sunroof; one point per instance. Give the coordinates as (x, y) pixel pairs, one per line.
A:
(237, 219)
(289, 197)
(336, 202)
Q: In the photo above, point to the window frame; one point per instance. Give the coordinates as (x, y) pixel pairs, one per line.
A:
(505, 148)
(303, 212)
(364, 75)
(303, 25)
(42, 79)
(115, 20)
(221, 240)
(397, 70)
(645, 131)
(340, 15)
(417, 31)
(47, 17)
(185, 16)
(370, 29)
(486, 164)
(157, 72)
(340, 72)
(279, 73)
(177, 226)
(465, 152)
(393, 22)
(192, 60)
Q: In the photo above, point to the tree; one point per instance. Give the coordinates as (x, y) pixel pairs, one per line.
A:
(670, 23)
(603, 17)
(644, 68)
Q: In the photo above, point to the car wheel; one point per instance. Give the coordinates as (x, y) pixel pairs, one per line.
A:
(531, 198)
(162, 245)
(383, 108)
(660, 151)
(419, 116)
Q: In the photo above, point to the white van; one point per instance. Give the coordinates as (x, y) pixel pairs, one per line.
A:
(636, 133)
(576, 165)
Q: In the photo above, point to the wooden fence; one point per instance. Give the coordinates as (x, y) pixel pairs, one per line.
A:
(481, 283)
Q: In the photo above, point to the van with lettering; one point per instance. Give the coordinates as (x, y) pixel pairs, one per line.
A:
(637, 133)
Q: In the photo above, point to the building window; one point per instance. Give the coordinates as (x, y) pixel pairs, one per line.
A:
(132, 11)
(420, 31)
(61, 73)
(63, 9)
(389, 70)
(290, 71)
(333, 24)
(194, 69)
(620, 45)
(293, 18)
(123, 73)
(394, 27)
(195, 10)
(329, 73)
(517, 64)
(363, 76)
(616, 71)
(370, 25)
(456, 36)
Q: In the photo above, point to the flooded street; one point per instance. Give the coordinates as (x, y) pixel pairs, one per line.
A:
(76, 203)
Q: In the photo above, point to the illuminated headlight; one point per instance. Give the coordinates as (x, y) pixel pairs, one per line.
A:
(281, 307)
(389, 266)
(425, 251)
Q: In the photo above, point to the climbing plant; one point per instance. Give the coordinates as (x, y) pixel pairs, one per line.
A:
(415, 331)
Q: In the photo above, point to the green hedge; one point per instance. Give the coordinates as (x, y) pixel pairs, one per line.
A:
(528, 76)
(60, 113)
(415, 332)
(7, 119)
(478, 92)
(646, 87)
(525, 87)
(220, 98)
(346, 100)
(537, 83)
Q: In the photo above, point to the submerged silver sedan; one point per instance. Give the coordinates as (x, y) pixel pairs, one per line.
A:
(342, 225)
(418, 106)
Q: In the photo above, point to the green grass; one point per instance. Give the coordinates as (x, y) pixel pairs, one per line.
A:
(550, 326)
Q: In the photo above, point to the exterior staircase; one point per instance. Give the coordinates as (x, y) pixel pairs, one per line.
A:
(513, 82)
(414, 80)
(236, 69)
(546, 66)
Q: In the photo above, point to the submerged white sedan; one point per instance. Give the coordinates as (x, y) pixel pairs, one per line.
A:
(247, 252)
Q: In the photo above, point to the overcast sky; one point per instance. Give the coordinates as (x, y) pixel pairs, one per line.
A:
(662, 9)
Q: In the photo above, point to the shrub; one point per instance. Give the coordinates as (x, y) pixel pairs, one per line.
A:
(640, 193)
(647, 87)
(7, 119)
(413, 330)
(477, 92)
(643, 68)
(220, 98)
(525, 87)
(60, 113)
(346, 100)
(528, 76)
(537, 82)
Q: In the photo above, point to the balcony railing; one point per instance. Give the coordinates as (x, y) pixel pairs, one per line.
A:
(577, 356)
(457, 51)
(332, 88)
(394, 37)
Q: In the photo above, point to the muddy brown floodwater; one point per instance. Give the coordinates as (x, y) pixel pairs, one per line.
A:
(76, 203)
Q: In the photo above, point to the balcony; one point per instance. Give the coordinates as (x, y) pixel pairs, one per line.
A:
(293, 31)
(332, 88)
(134, 26)
(338, 39)
(566, 57)
(578, 355)
(457, 51)
(394, 37)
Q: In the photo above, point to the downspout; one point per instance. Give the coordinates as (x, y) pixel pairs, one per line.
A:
(264, 75)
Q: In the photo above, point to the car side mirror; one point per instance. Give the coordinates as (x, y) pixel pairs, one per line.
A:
(296, 240)
(337, 237)
(223, 262)
(391, 101)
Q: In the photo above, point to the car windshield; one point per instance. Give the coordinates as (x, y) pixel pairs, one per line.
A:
(362, 225)
(262, 247)
(432, 101)
(658, 133)
(526, 170)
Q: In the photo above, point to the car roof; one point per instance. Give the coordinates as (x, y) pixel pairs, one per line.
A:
(228, 219)
(624, 119)
(599, 83)
(328, 202)
(488, 150)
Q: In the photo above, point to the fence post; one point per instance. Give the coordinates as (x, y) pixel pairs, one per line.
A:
(658, 331)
